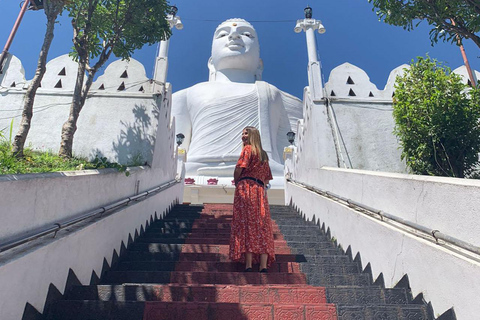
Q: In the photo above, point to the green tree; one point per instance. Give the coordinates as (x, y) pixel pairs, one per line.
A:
(437, 120)
(52, 9)
(103, 27)
(449, 18)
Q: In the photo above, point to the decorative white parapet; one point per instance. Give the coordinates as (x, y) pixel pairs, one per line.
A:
(349, 81)
(462, 71)
(119, 119)
(60, 74)
(13, 75)
(123, 76)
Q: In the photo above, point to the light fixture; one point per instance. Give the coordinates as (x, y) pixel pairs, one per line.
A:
(321, 28)
(291, 136)
(298, 27)
(35, 5)
(173, 10)
(179, 24)
(308, 12)
(180, 138)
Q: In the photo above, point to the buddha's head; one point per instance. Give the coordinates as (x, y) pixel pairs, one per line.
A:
(235, 46)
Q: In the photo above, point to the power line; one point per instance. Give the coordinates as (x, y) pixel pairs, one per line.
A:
(255, 21)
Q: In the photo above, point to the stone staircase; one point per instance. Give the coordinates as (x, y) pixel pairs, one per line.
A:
(347, 285)
(179, 269)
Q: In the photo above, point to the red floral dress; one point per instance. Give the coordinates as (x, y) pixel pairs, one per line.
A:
(251, 224)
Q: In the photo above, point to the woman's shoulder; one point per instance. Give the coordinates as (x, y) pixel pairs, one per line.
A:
(247, 149)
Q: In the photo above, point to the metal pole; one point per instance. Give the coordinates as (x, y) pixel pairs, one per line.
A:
(4, 53)
(471, 75)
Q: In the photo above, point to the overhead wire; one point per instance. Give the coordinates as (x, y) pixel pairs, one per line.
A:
(251, 21)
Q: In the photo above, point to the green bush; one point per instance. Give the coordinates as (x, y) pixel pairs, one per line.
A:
(436, 120)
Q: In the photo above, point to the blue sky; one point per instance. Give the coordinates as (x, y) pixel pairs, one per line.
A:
(353, 35)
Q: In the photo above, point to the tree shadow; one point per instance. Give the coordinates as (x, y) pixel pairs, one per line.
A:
(134, 145)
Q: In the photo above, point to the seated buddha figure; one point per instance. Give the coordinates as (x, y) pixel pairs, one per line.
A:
(212, 114)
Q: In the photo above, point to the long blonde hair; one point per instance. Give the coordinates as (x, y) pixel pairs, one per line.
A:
(256, 142)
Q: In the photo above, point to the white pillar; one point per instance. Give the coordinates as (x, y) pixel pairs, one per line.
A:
(163, 51)
(314, 72)
(161, 62)
(311, 45)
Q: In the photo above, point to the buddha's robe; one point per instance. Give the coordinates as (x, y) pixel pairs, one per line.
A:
(212, 116)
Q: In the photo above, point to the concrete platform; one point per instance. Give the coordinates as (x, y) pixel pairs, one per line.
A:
(199, 194)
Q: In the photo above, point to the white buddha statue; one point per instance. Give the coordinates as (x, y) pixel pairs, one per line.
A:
(212, 114)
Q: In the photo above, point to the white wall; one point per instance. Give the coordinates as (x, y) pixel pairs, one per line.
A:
(353, 126)
(36, 200)
(445, 278)
(449, 205)
(27, 272)
(118, 123)
(357, 124)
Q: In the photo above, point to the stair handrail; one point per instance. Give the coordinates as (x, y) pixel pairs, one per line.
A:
(381, 215)
(55, 227)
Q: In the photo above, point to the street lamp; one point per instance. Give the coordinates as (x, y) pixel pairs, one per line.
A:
(309, 25)
(291, 136)
(180, 138)
(173, 20)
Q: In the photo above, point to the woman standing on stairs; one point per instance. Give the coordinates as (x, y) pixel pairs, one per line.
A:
(251, 238)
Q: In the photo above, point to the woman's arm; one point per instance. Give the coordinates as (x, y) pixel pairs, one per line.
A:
(236, 174)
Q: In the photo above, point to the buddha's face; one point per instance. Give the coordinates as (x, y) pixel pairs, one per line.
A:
(235, 46)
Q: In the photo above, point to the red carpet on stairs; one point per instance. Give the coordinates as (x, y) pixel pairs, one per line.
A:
(207, 285)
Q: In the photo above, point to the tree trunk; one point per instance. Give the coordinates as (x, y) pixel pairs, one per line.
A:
(79, 98)
(52, 9)
(70, 126)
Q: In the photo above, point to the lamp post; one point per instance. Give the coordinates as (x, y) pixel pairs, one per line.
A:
(289, 155)
(26, 5)
(309, 25)
(471, 74)
(181, 153)
(161, 63)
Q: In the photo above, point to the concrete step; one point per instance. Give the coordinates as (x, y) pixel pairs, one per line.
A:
(317, 251)
(306, 237)
(300, 245)
(339, 258)
(203, 266)
(234, 278)
(177, 256)
(400, 312)
(366, 296)
(198, 233)
(110, 310)
(330, 268)
(302, 233)
(191, 248)
(202, 293)
(336, 280)
(96, 310)
(290, 226)
(204, 240)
